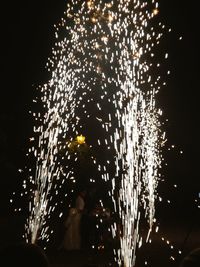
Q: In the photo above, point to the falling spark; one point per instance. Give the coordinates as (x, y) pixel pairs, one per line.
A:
(101, 75)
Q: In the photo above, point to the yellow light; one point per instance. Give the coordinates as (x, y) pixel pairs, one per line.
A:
(80, 139)
(155, 11)
(109, 5)
(90, 4)
(110, 18)
(93, 19)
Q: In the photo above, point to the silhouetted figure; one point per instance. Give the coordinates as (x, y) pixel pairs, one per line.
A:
(23, 254)
(72, 236)
(192, 259)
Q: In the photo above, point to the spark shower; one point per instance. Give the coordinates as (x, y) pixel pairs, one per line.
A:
(102, 76)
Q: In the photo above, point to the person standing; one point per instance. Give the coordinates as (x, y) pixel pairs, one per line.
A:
(72, 237)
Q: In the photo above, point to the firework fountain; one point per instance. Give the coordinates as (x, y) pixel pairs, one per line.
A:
(101, 76)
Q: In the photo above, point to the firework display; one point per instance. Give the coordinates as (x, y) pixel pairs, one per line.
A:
(101, 86)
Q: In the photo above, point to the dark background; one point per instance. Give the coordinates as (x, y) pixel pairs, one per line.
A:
(27, 36)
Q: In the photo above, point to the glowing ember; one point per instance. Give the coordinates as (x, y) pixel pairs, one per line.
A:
(80, 139)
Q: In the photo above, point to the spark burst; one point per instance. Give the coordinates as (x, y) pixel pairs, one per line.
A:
(101, 77)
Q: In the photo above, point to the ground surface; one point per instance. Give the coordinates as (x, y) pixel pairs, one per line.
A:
(162, 251)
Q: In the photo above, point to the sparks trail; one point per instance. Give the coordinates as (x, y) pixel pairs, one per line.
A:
(101, 77)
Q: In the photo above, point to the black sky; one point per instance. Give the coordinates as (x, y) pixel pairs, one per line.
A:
(27, 38)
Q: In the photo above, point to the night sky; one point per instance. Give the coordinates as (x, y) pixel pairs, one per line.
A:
(27, 38)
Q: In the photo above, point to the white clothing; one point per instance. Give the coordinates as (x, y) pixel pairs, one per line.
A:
(72, 238)
(80, 203)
